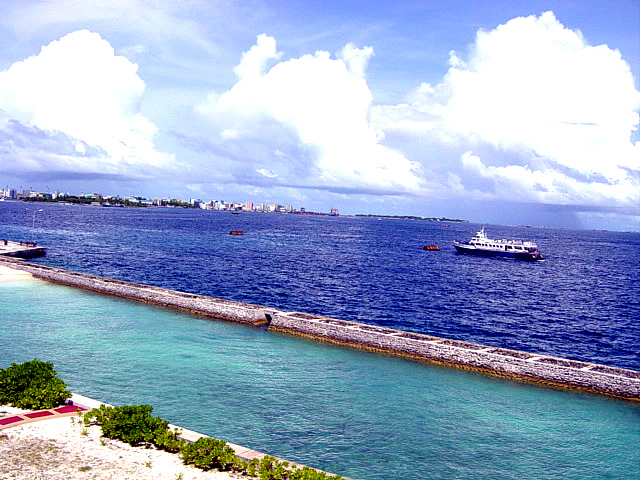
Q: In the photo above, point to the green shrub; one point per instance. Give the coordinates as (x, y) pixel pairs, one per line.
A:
(132, 424)
(307, 473)
(272, 469)
(169, 441)
(208, 453)
(32, 385)
(135, 425)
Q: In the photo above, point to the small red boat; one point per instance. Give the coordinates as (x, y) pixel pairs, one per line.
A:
(236, 232)
(431, 247)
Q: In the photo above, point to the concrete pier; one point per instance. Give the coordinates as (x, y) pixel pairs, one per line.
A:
(510, 364)
(21, 249)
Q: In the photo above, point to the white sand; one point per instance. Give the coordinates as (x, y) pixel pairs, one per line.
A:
(11, 274)
(56, 449)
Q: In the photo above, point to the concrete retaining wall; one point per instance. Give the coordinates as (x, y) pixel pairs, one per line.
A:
(511, 364)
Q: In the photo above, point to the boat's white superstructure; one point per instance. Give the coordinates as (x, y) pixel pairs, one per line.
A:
(480, 244)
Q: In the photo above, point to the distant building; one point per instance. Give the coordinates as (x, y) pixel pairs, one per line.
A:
(161, 202)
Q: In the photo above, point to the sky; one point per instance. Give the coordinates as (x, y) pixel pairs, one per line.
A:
(491, 111)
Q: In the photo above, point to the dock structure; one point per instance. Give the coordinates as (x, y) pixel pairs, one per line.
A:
(499, 362)
(21, 249)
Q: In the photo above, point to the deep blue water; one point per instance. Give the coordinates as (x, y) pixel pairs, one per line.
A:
(582, 302)
(360, 414)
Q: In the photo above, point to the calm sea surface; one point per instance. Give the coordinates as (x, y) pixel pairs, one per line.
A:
(362, 415)
(359, 414)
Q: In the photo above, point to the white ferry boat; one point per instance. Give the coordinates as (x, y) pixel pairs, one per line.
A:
(481, 245)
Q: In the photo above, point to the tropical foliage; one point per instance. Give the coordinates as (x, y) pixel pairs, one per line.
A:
(32, 385)
(136, 426)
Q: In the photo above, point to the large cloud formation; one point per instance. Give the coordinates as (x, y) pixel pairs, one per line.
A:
(535, 113)
(74, 109)
(313, 111)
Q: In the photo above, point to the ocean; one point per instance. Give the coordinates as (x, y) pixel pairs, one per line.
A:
(582, 302)
(359, 414)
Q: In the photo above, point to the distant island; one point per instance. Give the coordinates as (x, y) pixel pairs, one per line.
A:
(413, 217)
(97, 199)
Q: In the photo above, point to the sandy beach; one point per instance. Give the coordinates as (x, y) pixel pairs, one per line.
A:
(64, 449)
(8, 274)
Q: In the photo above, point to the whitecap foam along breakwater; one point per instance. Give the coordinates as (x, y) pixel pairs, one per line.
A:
(499, 362)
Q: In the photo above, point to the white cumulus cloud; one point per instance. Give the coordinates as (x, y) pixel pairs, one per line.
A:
(547, 116)
(323, 104)
(78, 87)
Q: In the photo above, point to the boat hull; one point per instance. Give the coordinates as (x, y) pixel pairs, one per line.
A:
(485, 252)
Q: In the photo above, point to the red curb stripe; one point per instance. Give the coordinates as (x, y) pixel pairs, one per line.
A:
(43, 413)
(9, 420)
(68, 409)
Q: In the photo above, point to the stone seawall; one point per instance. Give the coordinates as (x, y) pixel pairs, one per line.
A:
(515, 365)
(186, 302)
(499, 362)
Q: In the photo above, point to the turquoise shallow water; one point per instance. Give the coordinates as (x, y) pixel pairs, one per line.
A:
(362, 415)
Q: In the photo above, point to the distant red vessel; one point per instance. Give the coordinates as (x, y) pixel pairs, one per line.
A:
(236, 232)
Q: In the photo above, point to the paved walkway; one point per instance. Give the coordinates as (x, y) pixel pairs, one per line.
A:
(13, 420)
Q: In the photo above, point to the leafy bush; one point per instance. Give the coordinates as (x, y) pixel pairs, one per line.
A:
(32, 385)
(132, 424)
(169, 441)
(135, 425)
(271, 468)
(208, 453)
(308, 473)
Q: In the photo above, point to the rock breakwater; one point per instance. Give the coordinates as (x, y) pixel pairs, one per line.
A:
(500, 362)
(186, 302)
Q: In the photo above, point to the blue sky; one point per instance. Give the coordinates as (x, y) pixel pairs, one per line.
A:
(497, 111)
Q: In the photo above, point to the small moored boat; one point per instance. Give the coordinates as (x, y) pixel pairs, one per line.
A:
(480, 244)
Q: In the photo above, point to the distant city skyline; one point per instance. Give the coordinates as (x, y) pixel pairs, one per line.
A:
(221, 205)
(499, 112)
